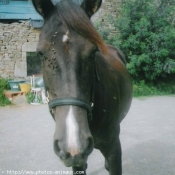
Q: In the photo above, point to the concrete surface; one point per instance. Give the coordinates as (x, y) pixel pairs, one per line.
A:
(147, 138)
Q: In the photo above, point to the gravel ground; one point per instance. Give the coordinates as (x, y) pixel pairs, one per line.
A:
(147, 138)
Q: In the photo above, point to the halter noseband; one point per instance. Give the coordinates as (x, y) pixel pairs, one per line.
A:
(70, 101)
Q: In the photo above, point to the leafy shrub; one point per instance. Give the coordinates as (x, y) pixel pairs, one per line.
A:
(146, 35)
(142, 89)
(4, 86)
(30, 97)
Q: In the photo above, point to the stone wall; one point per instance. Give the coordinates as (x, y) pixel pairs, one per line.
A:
(12, 38)
(18, 38)
(108, 7)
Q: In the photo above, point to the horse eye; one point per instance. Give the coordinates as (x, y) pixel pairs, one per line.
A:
(40, 54)
(93, 54)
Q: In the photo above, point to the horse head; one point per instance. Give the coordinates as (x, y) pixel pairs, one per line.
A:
(67, 45)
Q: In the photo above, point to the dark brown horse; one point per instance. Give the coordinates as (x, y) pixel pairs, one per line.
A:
(88, 85)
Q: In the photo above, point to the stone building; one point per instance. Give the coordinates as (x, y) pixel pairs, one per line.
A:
(18, 40)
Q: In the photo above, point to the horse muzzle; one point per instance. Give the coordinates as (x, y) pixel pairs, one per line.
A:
(74, 157)
(72, 161)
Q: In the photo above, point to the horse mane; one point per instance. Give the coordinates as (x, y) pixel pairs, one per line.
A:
(74, 17)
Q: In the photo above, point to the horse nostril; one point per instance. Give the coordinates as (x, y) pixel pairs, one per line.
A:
(64, 155)
(90, 146)
(60, 153)
(56, 147)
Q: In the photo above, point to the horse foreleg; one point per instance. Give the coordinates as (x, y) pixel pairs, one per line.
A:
(112, 154)
(76, 170)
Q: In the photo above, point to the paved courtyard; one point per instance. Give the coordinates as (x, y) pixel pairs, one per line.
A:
(147, 138)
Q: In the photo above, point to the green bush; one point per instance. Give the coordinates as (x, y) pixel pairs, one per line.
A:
(4, 86)
(149, 89)
(147, 37)
(30, 96)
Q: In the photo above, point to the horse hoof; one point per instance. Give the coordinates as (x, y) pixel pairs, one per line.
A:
(106, 165)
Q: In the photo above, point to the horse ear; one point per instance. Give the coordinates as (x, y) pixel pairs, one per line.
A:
(43, 7)
(91, 6)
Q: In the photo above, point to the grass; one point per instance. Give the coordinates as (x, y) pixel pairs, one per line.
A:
(4, 86)
(142, 89)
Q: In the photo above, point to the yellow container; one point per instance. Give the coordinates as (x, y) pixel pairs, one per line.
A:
(25, 87)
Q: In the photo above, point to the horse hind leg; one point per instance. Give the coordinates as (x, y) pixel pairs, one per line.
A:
(78, 170)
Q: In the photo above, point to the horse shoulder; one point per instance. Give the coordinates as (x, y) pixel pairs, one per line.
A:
(117, 53)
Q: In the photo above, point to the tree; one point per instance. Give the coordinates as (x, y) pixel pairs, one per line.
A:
(147, 37)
